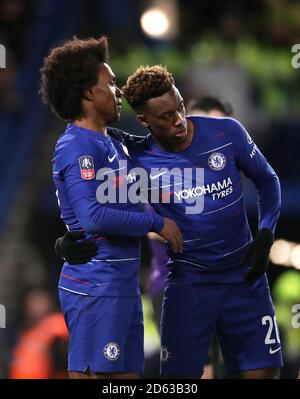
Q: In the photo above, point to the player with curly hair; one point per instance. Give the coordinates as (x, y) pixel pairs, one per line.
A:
(99, 296)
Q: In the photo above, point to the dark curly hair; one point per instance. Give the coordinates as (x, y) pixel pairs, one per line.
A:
(207, 103)
(68, 71)
(147, 82)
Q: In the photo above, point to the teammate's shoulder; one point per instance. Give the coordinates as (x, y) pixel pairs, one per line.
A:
(117, 134)
(130, 140)
(75, 140)
(236, 130)
(209, 125)
(74, 144)
(233, 123)
(122, 136)
(209, 121)
(226, 123)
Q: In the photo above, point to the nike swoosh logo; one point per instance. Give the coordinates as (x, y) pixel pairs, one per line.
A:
(272, 351)
(112, 158)
(152, 177)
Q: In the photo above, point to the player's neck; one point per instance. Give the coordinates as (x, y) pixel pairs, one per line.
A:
(91, 124)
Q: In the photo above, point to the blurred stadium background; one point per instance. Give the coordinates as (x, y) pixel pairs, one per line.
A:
(241, 51)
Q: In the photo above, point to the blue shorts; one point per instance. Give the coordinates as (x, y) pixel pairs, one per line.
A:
(106, 333)
(242, 315)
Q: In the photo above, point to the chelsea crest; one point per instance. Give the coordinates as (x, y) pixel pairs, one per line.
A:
(217, 161)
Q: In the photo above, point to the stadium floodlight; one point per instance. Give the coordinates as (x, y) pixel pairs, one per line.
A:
(159, 21)
(295, 257)
(155, 23)
(281, 252)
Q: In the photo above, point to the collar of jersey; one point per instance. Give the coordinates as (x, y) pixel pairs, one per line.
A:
(82, 130)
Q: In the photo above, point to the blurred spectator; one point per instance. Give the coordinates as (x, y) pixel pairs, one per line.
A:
(10, 98)
(209, 105)
(225, 78)
(41, 351)
(21, 268)
(14, 18)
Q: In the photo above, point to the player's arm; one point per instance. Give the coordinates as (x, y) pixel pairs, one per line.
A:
(81, 161)
(96, 218)
(131, 141)
(151, 235)
(255, 166)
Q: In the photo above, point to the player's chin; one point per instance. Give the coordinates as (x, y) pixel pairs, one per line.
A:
(116, 116)
(179, 136)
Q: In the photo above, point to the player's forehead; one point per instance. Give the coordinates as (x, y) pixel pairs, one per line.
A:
(167, 102)
(106, 73)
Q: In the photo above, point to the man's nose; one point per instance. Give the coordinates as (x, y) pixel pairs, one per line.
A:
(119, 92)
(179, 119)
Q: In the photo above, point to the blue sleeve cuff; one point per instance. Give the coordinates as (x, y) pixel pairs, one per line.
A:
(157, 223)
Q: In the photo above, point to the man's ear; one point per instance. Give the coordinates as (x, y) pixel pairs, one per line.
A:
(141, 118)
(88, 94)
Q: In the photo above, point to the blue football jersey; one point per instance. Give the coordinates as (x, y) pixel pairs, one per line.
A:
(89, 171)
(201, 189)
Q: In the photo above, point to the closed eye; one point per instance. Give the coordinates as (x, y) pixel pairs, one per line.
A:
(167, 115)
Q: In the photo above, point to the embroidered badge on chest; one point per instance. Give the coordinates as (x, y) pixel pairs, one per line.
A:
(217, 161)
